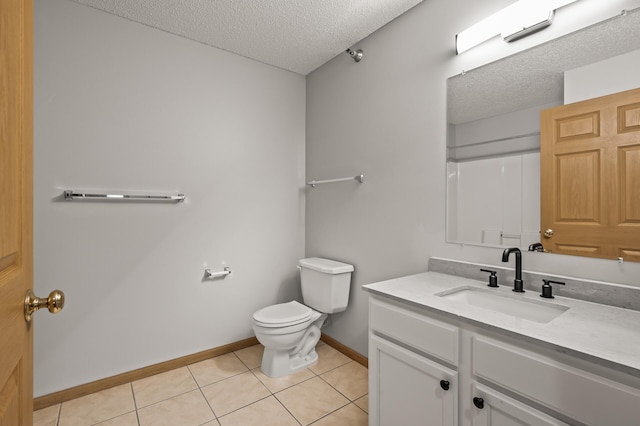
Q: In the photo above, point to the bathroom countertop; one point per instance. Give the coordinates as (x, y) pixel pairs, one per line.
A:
(602, 334)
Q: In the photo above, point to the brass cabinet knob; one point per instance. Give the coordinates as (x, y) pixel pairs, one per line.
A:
(548, 233)
(54, 303)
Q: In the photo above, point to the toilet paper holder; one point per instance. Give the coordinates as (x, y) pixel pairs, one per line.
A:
(220, 274)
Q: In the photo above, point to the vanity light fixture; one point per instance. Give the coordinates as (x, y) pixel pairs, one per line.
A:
(515, 21)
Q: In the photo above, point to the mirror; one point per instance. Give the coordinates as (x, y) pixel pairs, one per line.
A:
(493, 137)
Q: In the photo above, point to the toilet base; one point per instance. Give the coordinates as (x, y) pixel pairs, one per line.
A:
(279, 364)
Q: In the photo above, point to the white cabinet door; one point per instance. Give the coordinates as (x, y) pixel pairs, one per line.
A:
(408, 389)
(491, 408)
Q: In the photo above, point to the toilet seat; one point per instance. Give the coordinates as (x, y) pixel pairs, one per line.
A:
(282, 315)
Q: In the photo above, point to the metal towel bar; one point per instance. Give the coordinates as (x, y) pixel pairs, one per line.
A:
(313, 183)
(72, 195)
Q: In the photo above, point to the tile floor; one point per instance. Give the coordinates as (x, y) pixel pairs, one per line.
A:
(227, 390)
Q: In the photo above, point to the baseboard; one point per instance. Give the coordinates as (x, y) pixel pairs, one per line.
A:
(141, 373)
(345, 350)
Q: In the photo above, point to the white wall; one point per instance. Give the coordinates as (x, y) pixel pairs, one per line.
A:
(602, 78)
(124, 107)
(386, 117)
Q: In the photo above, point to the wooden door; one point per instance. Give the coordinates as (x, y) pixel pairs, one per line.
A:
(16, 245)
(590, 177)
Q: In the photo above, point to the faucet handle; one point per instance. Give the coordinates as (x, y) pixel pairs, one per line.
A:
(547, 290)
(493, 279)
(537, 247)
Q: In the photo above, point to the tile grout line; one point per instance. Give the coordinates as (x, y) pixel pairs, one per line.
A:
(243, 407)
(337, 390)
(328, 414)
(361, 409)
(274, 394)
(215, 416)
(135, 403)
(349, 401)
(287, 410)
(59, 412)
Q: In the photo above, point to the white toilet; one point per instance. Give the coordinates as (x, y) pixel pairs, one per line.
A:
(290, 331)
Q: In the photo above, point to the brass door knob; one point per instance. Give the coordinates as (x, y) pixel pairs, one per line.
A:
(54, 303)
(548, 233)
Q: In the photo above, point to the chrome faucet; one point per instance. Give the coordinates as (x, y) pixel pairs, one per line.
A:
(517, 283)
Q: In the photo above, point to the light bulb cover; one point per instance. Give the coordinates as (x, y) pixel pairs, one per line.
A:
(515, 21)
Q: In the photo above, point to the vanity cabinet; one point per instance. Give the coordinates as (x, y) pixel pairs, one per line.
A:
(426, 368)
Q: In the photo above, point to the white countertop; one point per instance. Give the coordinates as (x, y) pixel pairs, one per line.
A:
(603, 334)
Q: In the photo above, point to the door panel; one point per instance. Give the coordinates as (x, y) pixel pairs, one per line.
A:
(629, 118)
(578, 187)
(578, 127)
(590, 172)
(16, 247)
(629, 178)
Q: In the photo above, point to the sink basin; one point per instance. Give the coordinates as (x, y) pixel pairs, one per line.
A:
(514, 305)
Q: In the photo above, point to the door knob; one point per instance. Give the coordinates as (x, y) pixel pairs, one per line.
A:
(548, 233)
(55, 303)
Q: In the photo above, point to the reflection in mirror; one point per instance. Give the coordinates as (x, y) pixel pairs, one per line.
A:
(493, 119)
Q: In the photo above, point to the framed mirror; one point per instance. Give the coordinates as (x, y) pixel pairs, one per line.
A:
(493, 126)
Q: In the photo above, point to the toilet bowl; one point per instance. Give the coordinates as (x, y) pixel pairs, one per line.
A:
(289, 344)
(290, 331)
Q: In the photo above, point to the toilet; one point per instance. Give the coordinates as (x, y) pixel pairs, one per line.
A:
(290, 331)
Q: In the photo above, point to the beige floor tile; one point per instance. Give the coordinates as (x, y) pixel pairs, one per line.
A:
(185, 410)
(163, 386)
(47, 416)
(216, 369)
(251, 356)
(349, 415)
(266, 412)
(328, 359)
(212, 423)
(350, 379)
(310, 400)
(235, 392)
(129, 419)
(97, 407)
(281, 383)
(363, 403)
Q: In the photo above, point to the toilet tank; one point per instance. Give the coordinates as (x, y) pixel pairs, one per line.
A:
(325, 284)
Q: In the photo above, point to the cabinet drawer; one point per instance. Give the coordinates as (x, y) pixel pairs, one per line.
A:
(578, 394)
(425, 334)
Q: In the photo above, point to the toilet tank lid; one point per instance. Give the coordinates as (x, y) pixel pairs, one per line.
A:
(326, 266)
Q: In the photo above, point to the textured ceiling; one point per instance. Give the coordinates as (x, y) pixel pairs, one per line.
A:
(536, 76)
(296, 35)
